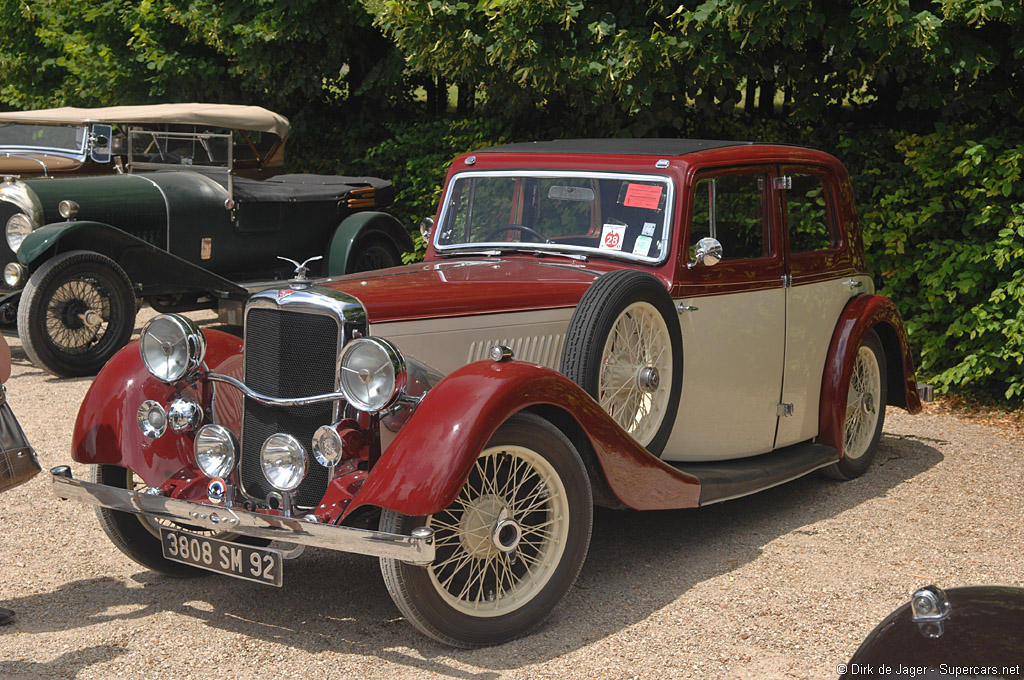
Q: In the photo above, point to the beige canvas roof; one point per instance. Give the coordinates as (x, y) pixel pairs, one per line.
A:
(215, 115)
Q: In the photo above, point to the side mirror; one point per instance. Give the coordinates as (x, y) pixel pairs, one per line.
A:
(426, 228)
(707, 252)
(99, 143)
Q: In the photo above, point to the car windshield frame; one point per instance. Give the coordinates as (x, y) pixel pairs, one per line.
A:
(78, 150)
(664, 211)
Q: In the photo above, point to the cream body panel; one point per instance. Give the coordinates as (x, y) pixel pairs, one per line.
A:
(446, 344)
(732, 376)
(812, 313)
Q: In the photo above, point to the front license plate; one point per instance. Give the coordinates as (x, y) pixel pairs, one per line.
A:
(232, 559)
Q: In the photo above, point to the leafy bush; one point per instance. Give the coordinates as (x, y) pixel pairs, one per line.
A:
(416, 157)
(943, 219)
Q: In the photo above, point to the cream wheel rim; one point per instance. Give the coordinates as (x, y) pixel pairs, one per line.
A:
(502, 539)
(862, 403)
(636, 371)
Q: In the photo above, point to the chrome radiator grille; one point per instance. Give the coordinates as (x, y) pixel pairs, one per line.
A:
(287, 354)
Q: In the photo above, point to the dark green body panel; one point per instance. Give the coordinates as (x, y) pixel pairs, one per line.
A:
(360, 227)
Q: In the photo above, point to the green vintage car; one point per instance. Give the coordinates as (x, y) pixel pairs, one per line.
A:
(82, 253)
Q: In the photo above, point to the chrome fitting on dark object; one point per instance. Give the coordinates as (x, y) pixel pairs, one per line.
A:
(930, 607)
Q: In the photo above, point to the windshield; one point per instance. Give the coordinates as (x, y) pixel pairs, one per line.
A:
(43, 137)
(623, 216)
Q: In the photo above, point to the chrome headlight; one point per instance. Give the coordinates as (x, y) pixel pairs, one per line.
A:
(18, 227)
(172, 347)
(373, 373)
(284, 461)
(215, 450)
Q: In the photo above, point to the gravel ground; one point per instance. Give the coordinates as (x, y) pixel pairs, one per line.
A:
(782, 584)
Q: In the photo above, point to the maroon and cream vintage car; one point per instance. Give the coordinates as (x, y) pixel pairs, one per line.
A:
(648, 324)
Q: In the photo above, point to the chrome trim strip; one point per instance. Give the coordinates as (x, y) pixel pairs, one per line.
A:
(417, 550)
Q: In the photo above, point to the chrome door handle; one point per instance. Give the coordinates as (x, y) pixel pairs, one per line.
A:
(686, 308)
(852, 284)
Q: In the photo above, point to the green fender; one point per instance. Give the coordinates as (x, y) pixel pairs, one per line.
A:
(152, 271)
(357, 227)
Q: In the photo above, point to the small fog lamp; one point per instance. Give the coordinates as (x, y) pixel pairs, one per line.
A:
(172, 347)
(18, 227)
(152, 419)
(284, 461)
(215, 450)
(327, 445)
(373, 373)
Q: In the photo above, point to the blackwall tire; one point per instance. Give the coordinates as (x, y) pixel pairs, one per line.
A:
(77, 310)
(528, 489)
(137, 536)
(865, 410)
(624, 347)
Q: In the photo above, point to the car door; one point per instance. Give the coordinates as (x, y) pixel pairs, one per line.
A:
(824, 278)
(732, 316)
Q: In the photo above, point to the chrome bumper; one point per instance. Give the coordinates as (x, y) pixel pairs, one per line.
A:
(417, 549)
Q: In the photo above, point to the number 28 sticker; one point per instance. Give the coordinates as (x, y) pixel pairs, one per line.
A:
(612, 236)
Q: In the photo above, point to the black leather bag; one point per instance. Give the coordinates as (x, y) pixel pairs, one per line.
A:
(18, 462)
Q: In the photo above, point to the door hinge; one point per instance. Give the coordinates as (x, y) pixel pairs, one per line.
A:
(787, 280)
(784, 410)
(784, 182)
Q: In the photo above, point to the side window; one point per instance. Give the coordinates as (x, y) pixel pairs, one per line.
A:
(732, 209)
(809, 217)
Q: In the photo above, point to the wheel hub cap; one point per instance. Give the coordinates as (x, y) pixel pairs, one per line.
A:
(91, 318)
(867, 403)
(648, 379)
(506, 533)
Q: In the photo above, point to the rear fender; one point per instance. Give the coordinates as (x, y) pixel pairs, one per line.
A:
(106, 431)
(426, 465)
(152, 271)
(862, 314)
(358, 227)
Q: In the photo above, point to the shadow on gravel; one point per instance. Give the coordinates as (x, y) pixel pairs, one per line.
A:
(331, 602)
(66, 665)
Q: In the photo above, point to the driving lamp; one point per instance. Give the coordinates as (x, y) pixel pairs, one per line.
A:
(215, 450)
(18, 227)
(68, 209)
(152, 419)
(14, 274)
(284, 462)
(327, 445)
(373, 373)
(172, 347)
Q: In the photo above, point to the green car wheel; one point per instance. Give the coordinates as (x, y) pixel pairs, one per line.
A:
(77, 310)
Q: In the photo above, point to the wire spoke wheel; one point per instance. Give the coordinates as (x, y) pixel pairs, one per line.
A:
(502, 539)
(77, 310)
(624, 347)
(862, 403)
(636, 371)
(508, 547)
(865, 410)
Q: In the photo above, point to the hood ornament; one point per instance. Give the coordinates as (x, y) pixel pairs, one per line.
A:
(300, 269)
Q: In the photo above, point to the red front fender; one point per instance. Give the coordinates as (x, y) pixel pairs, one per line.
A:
(106, 431)
(861, 314)
(426, 465)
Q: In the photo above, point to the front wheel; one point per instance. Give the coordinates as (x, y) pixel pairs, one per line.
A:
(865, 410)
(508, 549)
(77, 310)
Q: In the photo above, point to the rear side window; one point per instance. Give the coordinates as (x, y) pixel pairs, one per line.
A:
(811, 227)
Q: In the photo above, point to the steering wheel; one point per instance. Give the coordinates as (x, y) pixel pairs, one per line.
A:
(521, 228)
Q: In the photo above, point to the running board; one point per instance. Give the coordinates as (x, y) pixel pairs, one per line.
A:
(722, 481)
